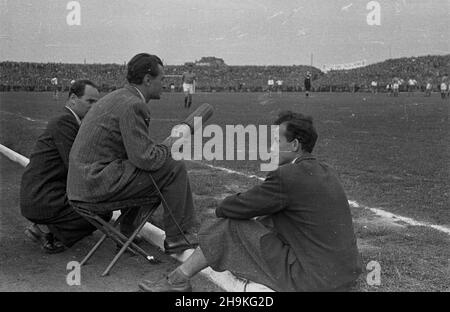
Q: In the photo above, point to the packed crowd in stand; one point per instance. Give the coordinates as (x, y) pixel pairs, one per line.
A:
(425, 69)
(22, 76)
(37, 76)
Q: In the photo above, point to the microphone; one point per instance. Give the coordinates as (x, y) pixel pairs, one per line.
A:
(205, 111)
(188, 126)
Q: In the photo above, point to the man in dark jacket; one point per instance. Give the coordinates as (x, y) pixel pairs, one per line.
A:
(305, 242)
(43, 198)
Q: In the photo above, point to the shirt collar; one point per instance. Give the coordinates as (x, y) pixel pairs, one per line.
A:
(140, 93)
(305, 156)
(75, 115)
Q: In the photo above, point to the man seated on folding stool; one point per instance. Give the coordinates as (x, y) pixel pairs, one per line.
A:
(114, 158)
(43, 198)
(305, 242)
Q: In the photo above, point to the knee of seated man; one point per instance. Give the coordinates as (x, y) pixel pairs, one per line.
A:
(177, 165)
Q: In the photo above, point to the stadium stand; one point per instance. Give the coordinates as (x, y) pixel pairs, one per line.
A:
(215, 76)
(423, 69)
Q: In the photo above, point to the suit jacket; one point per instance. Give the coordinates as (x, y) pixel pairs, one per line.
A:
(43, 185)
(113, 143)
(311, 215)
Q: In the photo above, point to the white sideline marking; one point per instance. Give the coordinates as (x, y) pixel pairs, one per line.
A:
(251, 176)
(24, 117)
(377, 211)
(394, 217)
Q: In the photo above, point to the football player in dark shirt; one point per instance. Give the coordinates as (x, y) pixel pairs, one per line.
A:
(307, 83)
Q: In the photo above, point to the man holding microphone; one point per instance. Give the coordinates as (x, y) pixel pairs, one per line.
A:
(113, 155)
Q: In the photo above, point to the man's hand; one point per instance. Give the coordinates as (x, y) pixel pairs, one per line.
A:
(186, 129)
(179, 132)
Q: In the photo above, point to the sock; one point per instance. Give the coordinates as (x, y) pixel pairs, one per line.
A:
(177, 276)
(43, 228)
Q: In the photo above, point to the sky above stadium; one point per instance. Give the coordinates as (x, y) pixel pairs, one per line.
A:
(253, 32)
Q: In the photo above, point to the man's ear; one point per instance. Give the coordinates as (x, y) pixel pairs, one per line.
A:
(147, 80)
(72, 99)
(297, 146)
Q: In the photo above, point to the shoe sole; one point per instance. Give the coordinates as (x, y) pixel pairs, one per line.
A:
(179, 249)
(145, 288)
(54, 251)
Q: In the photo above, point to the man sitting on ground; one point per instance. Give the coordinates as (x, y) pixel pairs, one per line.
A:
(43, 198)
(305, 242)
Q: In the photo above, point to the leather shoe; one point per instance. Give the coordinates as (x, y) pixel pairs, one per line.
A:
(164, 285)
(47, 241)
(179, 244)
(54, 247)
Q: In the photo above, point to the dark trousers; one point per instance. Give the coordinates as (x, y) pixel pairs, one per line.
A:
(173, 181)
(69, 227)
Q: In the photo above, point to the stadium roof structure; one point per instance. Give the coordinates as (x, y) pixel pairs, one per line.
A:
(210, 61)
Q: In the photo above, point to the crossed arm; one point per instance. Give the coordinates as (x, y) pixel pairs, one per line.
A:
(267, 198)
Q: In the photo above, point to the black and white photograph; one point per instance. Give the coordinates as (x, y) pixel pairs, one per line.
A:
(233, 148)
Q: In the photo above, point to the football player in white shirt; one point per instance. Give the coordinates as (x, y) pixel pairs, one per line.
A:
(54, 83)
(411, 86)
(279, 85)
(189, 78)
(389, 89)
(270, 84)
(395, 86)
(374, 85)
(443, 89)
(428, 89)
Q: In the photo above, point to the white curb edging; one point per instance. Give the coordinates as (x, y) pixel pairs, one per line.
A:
(16, 157)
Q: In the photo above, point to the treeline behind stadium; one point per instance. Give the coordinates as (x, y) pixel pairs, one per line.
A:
(25, 76)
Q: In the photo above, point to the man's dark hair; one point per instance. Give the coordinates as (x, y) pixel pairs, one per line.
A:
(300, 127)
(141, 65)
(79, 86)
